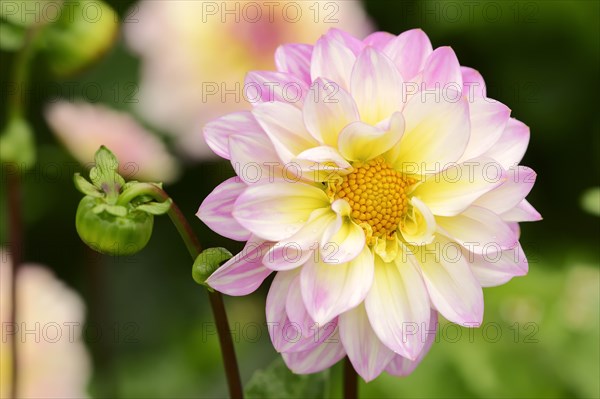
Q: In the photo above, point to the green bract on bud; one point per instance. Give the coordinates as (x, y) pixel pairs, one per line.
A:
(116, 218)
(83, 32)
(207, 262)
(112, 230)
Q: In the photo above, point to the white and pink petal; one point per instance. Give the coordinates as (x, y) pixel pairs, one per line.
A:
(518, 184)
(400, 366)
(436, 133)
(318, 358)
(419, 223)
(215, 211)
(243, 273)
(496, 268)
(302, 333)
(378, 40)
(295, 251)
(473, 83)
(398, 306)
(360, 141)
(331, 289)
(343, 240)
(269, 86)
(453, 290)
(523, 212)
(512, 144)
(278, 210)
(328, 108)
(284, 125)
(458, 186)
(366, 352)
(295, 59)
(409, 51)
(488, 121)
(217, 132)
(478, 230)
(332, 59)
(442, 71)
(376, 86)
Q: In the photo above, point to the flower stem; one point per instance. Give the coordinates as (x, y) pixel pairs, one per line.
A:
(350, 380)
(16, 246)
(16, 108)
(216, 300)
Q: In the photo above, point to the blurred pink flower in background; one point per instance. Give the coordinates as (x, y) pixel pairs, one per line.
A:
(53, 361)
(195, 52)
(84, 127)
(387, 192)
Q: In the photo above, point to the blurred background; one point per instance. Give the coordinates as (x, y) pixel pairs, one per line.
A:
(147, 93)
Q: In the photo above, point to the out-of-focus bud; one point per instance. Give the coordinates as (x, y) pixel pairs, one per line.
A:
(590, 201)
(83, 127)
(17, 145)
(207, 262)
(26, 13)
(115, 218)
(83, 32)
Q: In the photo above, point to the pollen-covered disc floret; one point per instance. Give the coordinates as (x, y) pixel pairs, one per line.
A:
(377, 195)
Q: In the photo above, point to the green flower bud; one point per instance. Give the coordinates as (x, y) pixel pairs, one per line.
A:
(17, 143)
(207, 262)
(112, 231)
(114, 217)
(85, 30)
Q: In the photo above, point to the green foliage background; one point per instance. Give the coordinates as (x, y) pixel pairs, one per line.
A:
(150, 327)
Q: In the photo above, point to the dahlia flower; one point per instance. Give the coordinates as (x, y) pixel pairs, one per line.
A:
(52, 359)
(387, 191)
(194, 54)
(84, 127)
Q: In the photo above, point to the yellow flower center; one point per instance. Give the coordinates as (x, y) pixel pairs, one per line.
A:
(377, 195)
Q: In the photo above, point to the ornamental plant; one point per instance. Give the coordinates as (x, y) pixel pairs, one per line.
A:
(387, 191)
(374, 178)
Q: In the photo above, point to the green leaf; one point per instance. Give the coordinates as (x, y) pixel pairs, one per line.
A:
(11, 37)
(156, 208)
(277, 381)
(105, 174)
(85, 187)
(207, 262)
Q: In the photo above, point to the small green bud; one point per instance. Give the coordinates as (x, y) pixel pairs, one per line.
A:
(112, 231)
(208, 262)
(26, 13)
(12, 37)
(114, 217)
(17, 143)
(85, 30)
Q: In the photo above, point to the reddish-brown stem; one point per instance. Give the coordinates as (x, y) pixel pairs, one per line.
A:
(350, 380)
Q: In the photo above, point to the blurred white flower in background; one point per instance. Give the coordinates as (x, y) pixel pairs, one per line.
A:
(52, 359)
(84, 127)
(195, 52)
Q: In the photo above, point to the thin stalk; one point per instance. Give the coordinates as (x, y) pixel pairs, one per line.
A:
(16, 247)
(350, 380)
(216, 300)
(16, 108)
